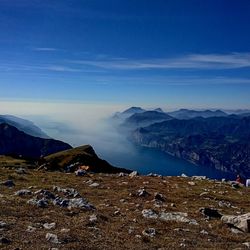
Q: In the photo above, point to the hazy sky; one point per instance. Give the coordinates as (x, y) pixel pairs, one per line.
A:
(166, 53)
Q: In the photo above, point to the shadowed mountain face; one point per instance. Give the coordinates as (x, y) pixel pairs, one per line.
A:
(26, 126)
(188, 114)
(220, 142)
(16, 142)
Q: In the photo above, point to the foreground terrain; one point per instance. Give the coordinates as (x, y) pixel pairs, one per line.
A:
(121, 212)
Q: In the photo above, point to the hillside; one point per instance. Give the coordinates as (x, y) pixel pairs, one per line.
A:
(103, 211)
(24, 125)
(16, 142)
(80, 156)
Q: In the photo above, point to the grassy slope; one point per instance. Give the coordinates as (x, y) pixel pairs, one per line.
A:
(85, 155)
(112, 231)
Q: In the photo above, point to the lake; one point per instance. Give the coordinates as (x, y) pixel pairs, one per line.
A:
(147, 160)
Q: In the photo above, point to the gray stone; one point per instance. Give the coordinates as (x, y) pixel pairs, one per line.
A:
(8, 183)
(142, 193)
(80, 172)
(52, 238)
(3, 224)
(149, 214)
(69, 192)
(80, 203)
(159, 197)
(23, 192)
(122, 174)
(210, 212)
(21, 171)
(49, 225)
(149, 232)
(191, 183)
(95, 184)
(224, 204)
(175, 216)
(31, 229)
(93, 218)
(202, 177)
(204, 232)
(242, 222)
(184, 175)
(4, 240)
(247, 244)
(43, 203)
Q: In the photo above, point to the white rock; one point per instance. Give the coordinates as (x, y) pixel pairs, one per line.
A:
(247, 244)
(52, 238)
(133, 174)
(49, 225)
(95, 184)
(31, 229)
(242, 222)
(93, 218)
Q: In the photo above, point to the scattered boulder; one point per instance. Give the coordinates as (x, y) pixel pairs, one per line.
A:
(80, 172)
(42, 203)
(149, 232)
(23, 192)
(69, 192)
(93, 218)
(133, 174)
(4, 240)
(199, 178)
(184, 175)
(80, 203)
(49, 225)
(122, 174)
(95, 184)
(45, 194)
(191, 183)
(3, 224)
(210, 212)
(31, 229)
(247, 244)
(224, 204)
(159, 197)
(52, 238)
(21, 171)
(177, 216)
(149, 214)
(8, 183)
(241, 222)
(142, 193)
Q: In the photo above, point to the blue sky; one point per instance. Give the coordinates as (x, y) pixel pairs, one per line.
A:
(166, 53)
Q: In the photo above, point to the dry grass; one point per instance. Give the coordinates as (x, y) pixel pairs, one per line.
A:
(112, 231)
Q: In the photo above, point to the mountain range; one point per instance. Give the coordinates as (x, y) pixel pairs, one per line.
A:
(207, 138)
(51, 154)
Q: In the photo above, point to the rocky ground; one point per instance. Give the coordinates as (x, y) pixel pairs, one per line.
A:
(53, 210)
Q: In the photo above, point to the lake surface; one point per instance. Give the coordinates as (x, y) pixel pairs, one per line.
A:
(146, 160)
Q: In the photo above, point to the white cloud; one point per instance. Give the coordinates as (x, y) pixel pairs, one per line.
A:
(45, 49)
(191, 61)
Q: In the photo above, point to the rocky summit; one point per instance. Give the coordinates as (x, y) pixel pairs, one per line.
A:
(58, 210)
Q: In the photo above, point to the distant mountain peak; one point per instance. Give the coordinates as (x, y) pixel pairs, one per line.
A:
(132, 110)
(159, 110)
